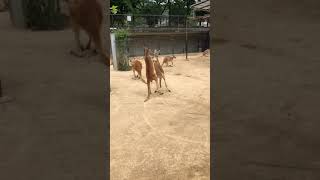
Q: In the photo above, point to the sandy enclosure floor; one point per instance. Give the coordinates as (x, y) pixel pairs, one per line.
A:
(168, 136)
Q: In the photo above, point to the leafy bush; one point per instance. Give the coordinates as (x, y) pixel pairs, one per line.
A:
(121, 37)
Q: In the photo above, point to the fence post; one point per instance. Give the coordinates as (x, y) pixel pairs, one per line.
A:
(186, 37)
(114, 51)
(178, 23)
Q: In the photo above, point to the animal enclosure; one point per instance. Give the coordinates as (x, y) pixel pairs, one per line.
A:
(170, 34)
(174, 124)
(160, 109)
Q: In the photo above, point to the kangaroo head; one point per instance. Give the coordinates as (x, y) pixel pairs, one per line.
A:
(156, 52)
(146, 51)
(130, 62)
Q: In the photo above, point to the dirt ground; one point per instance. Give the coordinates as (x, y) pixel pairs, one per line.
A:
(168, 136)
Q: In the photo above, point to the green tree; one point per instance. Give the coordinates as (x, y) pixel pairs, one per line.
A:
(156, 7)
(181, 8)
(153, 7)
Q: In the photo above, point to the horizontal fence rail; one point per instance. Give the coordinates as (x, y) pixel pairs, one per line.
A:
(157, 22)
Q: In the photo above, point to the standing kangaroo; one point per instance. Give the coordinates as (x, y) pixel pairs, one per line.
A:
(87, 15)
(168, 59)
(150, 72)
(137, 67)
(159, 70)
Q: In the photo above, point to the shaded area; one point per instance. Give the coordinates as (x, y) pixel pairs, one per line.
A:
(266, 90)
(54, 127)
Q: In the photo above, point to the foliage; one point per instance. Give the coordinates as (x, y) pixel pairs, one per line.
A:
(177, 7)
(121, 37)
(151, 9)
(181, 7)
(43, 14)
(154, 7)
(114, 9)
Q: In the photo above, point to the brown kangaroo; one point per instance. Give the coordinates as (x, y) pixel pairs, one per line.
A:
(150, 72)
(168, 59)
(137, 67)
(87, 15)
(159, 71)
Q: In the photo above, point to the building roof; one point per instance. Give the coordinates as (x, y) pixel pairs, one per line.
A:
(202, 5)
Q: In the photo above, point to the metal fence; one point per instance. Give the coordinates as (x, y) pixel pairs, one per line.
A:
(156, 21)
(169, 34)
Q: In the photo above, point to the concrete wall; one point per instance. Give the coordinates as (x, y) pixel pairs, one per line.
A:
(168, 43)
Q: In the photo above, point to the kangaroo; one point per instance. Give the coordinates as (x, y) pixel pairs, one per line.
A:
(87, 15)
(168, 59)
(206, 52)
(159, 71)
(137, 67)
(150, 72)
